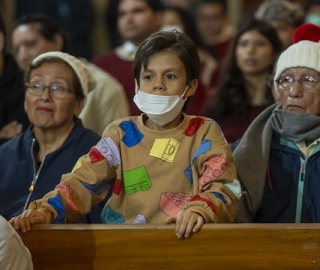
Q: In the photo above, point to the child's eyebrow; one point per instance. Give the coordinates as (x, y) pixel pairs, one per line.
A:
(164, 70)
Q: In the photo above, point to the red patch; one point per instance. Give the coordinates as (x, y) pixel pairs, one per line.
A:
(95, 155)
(208, 202)
(193, 127)
(65, 188)
(118, 185)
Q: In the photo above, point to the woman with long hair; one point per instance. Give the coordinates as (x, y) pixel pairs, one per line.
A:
(244, 92)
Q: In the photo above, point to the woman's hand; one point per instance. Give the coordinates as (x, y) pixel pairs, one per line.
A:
(26, 219)
(186, 222)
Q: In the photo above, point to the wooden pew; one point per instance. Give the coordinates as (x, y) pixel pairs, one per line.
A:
(216, 246)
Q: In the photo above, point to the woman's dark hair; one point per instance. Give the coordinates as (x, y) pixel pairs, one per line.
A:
(168, 41)
(232, 100)
(76, 85)
(48, 28)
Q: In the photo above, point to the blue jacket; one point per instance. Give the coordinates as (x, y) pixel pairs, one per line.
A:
(293, 194)
(19, 170)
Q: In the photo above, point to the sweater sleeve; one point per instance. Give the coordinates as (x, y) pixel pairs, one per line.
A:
(87, 184)
(218, 187)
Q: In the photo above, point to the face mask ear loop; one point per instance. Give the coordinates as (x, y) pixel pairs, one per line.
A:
(184, 92)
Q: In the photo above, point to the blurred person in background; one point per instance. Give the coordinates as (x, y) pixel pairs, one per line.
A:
(35, 34)
(136, 20)
(313, 12)
(75, 18)
(244, 91)
(13, 119)
(213, 26)
(183, 21)
(284, 16)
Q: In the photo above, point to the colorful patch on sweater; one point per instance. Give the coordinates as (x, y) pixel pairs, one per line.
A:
(214, 167)
(208, 202)
(194, 125)
(109, 150)
(140, 219)
(136, 179)
(95, 155)
(165, 149)
(118, 186)
(171, 202)
(78, 165)
(57, 205)
(133, 135)
(109, 216)
(65, 188)
(98, 188)
(204, 147)
(219, 196)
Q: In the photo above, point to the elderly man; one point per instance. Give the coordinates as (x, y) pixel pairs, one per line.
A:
(278, 158)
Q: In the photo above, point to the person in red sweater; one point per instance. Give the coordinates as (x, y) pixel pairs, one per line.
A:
(137, 19)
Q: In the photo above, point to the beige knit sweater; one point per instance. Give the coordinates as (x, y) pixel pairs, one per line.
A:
(155, 175)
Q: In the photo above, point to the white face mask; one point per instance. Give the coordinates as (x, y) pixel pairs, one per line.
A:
(160, 109)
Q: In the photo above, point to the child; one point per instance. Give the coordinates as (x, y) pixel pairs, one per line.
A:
(166, 166)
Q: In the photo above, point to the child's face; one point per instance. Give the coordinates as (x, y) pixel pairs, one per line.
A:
(165, 75)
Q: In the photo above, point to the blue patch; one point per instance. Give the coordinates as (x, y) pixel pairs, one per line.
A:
(219, 196)
(97, 189)
(203, 148)
(133, 136)
(57, 204)
(188, 173)
(109, 216)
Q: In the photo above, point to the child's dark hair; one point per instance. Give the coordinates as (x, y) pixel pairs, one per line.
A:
(168, 41)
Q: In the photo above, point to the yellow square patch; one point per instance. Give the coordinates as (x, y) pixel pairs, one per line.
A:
(165, 149)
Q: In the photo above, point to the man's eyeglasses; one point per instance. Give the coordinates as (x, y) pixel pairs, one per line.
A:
(307, 83)
(36, 89)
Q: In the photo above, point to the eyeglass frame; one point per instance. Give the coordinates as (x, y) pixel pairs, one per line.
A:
(43, 88)
(301, 82)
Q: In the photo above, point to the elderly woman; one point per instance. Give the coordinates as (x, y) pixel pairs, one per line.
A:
(278, 158)
(32, 163)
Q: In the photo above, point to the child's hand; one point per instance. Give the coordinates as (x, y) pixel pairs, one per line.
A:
(26, 219)
(186, 222)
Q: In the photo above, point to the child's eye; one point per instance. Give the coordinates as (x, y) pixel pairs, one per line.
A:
(148, 77)
(170, 76)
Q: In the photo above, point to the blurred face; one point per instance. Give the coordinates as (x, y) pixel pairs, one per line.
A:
(166, 75)
(298, 99)
(46, 112)
(210, 20)
(136, 20)
(285, 32)
(254, 53)
(27, 44)
(171, 18)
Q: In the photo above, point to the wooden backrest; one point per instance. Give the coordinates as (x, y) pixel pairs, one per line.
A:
(216, 246)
